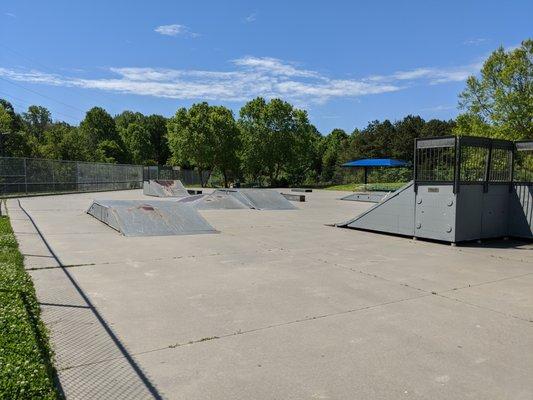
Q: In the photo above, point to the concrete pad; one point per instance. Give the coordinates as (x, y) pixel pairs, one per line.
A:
(122, 384)
(279, 305)
(221, 295)
(409, 349)
(511, 296)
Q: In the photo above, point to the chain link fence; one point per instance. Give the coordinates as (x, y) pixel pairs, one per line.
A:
(32, 175)
(188, 177)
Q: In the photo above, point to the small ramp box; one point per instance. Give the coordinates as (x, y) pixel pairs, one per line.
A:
(259, 199)
(214, 201)
(164, 188)
(149, 218)
(228, 199)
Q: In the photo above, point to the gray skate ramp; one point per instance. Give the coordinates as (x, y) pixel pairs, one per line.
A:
(164, 188)
(394, 214)
(259, 199)
(369, 197)
(214, 201)
(149, 218)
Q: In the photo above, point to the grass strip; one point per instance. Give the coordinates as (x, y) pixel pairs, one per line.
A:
(26, 369)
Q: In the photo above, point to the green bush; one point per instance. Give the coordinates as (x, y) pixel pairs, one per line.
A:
(26, 371)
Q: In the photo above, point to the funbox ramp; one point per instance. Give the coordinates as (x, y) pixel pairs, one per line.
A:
(150, 218)
(393, 214)
(214, 201)
(369, 197)
(164, 188)
(259, 199)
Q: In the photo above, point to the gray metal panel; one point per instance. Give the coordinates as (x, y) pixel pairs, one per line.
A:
(267, 199)
(164, 188)
(495, 213)
(435, 212)
(294, 197)
(395, 214)
(521, 211)
(371, 197)
(435, 142)
(525, 145)
(260, 199)
(150, 218)
(214, 201)
(469, 209)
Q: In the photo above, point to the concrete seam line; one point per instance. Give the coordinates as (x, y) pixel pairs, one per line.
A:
(484, 308)
(281, 324)
(486, 283)
(151, 388)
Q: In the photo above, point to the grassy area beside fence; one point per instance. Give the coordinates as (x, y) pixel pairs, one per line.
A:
(26, 370)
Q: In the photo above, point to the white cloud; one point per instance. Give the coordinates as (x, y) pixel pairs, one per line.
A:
(439, 108)
(474, 41)
(431, 75)
(250, 77)
(273, 66)
(175, 30)
(250, 18)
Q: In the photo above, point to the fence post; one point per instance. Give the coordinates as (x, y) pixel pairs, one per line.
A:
(25, 177)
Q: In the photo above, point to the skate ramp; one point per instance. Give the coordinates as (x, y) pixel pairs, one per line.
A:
(369, 197)
(259, 199)
(164, 188)
(149, 218)
(214, 201)
(394, 214)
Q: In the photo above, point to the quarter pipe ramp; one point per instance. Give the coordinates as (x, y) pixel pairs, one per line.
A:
(164, 188)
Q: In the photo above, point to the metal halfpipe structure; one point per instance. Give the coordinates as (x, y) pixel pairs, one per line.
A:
(226, 199)
(149, 218)
(464, 188)
(164, 188)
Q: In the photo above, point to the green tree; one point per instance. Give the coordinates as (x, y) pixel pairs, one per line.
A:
(63, 142)
(16, 120)
(138, 143)
(271, 133)
(500, 102)
(157, 126)
(5, 120)
(98, 126)
(108, 151)
(334, 145)
(405, 131)
(226, 142)
(125, 118)
(204, 136)
(36, 120)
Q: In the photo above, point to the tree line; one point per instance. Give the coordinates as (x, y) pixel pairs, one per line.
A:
(271, 142)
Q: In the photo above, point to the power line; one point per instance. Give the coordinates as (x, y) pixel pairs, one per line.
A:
(42, 95)
(50, 69)
(24, 104)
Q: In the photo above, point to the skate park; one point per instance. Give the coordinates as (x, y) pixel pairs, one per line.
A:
(270, 297)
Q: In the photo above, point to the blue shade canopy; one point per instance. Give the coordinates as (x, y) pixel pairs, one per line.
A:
(376, 162)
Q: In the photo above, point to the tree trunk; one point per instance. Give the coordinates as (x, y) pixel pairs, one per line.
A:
(225, 173)
(201, 173)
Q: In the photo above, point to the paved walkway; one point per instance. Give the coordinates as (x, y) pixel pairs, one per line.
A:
(277, 305)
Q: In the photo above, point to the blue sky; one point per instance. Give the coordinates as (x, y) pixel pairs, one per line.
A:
(346, 62)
